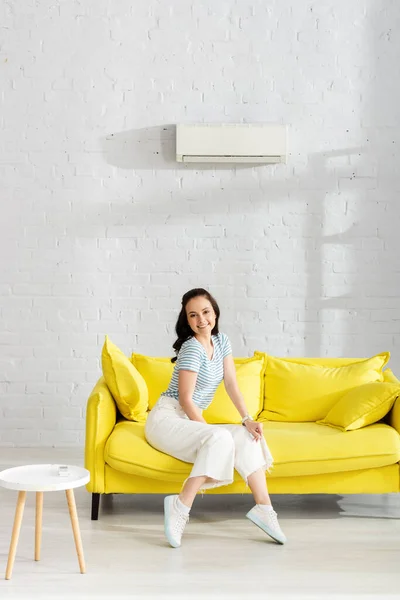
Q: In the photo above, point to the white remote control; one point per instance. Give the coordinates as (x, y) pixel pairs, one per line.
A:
(63, 471)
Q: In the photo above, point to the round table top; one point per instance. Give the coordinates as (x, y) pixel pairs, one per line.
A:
(43, 478)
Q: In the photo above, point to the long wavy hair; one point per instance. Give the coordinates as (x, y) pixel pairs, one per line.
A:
(182, 327)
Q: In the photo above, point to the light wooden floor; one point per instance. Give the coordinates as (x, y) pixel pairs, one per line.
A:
(338, 547)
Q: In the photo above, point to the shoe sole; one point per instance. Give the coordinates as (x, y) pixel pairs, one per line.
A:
(266, 529)
(171, 541)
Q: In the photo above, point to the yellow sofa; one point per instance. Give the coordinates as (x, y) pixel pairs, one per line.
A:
(309, 457)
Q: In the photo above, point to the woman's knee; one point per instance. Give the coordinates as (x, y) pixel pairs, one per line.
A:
(218, 435)
(243, 437)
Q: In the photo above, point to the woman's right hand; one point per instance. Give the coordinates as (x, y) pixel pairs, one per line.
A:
(256, 429)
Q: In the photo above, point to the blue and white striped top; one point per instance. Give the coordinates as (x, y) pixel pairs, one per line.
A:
(193, 357)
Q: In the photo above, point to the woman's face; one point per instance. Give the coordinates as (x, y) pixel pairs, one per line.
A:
(200, 315)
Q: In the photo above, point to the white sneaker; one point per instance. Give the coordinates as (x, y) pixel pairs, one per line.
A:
(267, 520)
(174, 521)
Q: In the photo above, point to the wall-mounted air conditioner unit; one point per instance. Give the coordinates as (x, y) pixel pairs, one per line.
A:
(231, 143)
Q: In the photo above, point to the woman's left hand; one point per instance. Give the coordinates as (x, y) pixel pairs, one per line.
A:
(256, 429)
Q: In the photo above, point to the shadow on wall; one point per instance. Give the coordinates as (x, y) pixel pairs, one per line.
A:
(329, 255)
(153, 149)
(359, 237)
(149, 148)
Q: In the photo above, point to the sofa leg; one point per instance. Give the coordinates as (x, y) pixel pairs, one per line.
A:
(95, 506)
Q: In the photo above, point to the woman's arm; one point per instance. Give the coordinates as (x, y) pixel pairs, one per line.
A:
(231, 386)
(186, 385)
(234, 393)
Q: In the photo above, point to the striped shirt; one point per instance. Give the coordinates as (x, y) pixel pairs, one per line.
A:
(193, 357)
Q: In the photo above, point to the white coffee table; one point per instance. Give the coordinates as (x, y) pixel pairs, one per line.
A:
(39, 479)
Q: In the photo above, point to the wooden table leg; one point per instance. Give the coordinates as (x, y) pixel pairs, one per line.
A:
(19, 511)
(38, 524)
(75, 528)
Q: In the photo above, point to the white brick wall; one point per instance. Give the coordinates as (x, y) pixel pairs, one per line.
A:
(102, 231)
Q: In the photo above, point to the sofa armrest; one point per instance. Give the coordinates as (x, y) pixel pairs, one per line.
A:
(394, 415)
(101, 416)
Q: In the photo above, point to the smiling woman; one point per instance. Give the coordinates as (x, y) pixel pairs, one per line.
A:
(198, 317)
(176, 425)
(202, 322)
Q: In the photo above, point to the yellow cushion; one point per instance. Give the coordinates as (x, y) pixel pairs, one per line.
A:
(390, 377)
(124, 382)
(362, 406)
(250, 377)
(156, 372)
(298, 449)
(306, 392)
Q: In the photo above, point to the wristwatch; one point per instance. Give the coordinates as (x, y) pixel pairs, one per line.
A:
(246, 418)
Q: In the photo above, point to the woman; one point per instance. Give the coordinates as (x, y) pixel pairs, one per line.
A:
(176, 425)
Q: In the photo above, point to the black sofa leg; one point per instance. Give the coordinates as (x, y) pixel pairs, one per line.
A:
(95, 506)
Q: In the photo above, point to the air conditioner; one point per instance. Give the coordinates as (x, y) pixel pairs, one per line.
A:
(231, 143)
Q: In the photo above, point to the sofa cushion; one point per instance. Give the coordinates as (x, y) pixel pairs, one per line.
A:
(157, 373)
(297, 448)
(362, 406)
(298, 392)
(250, 377)
(125, 383)
(128, 451)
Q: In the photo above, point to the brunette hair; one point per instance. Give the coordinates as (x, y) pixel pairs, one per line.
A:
(182, 327)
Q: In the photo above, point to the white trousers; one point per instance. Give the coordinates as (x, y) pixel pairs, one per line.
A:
(214, 450)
